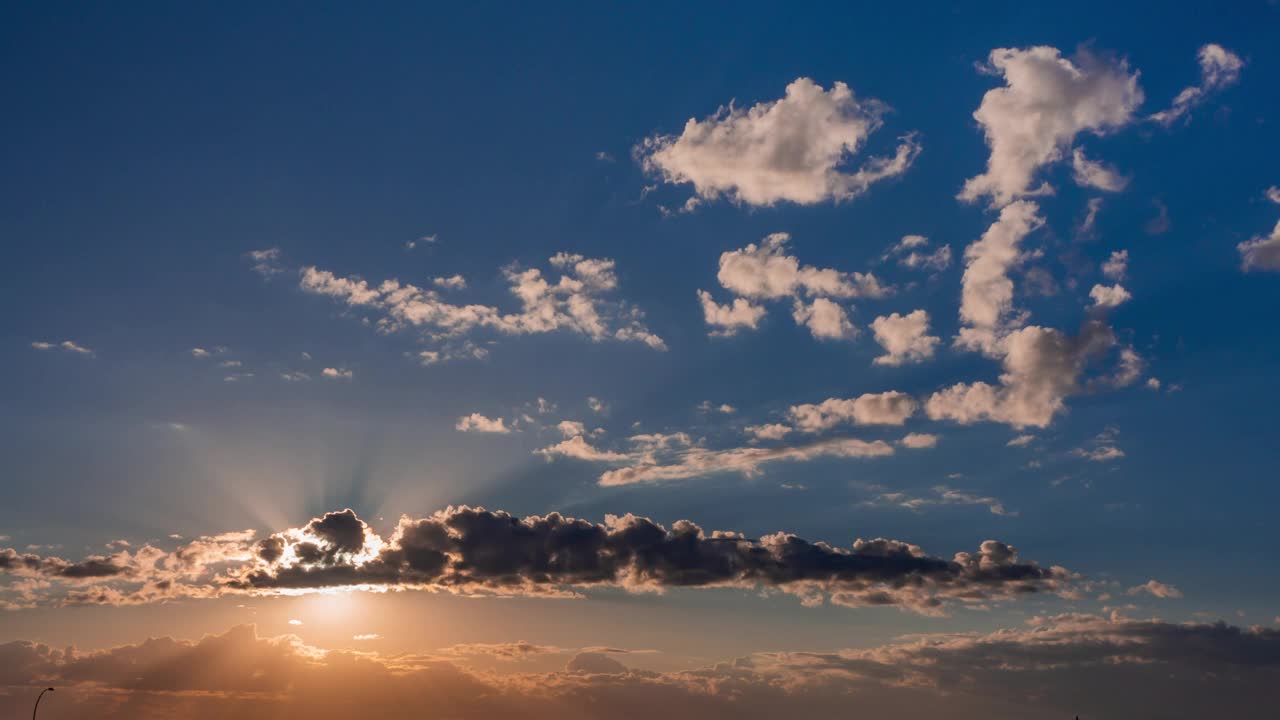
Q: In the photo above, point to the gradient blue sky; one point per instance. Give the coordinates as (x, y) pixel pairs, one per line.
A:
(145, 149)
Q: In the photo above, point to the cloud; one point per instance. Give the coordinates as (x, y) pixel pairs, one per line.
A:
(1090, 173)
(795, 149)
(573, 302)
(1109, 296)
(769, 431)
(294, 376)
(1155, 588)
(905, 338)
(910, 254)
(1021, 441)
(1052, 667)
(918, 441)
(766, 271)
(1042, 366)
(453, 282)
(66, 346)
(942, 495)
(594, 663)
(337, 373)
(1273, 194)
(476, 551)
(1117, 265)
(1219, 69)
(1047, 101)
(886, 408)
(1261, 252)
(475, 422)
(578, 448)
(986, 296)
(265, 262)
(1103, 453)
(728, 319)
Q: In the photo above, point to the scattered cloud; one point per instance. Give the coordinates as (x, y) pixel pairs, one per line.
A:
(1219, 69)
(475, 422)
(265, 262)
(1109, 296)
(338, 373)
(1157, 589)
(70, 346)
(905, 338)
(886, 408)
(941, 495)
(795, 149)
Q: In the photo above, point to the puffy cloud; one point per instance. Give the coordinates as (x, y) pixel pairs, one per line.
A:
(886, 408)
(910, 254)
(767, 272)
(574, 302)
(1052, 667)
(1261, 252)
(66, 346)
(1109, 296)
(578, 448)
(727, 319)
(905, 338)
(986, 297)
(918, 441)
(1042, 366)
(1219, 68)
(794, 149)
(337, 373)
(1155, 588)
(1094, 174)
(453, 282)
(475, 422)
(1046, 102)
(1273, 194)
(768, 431)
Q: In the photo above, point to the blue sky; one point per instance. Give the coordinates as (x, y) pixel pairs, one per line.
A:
(149, 151)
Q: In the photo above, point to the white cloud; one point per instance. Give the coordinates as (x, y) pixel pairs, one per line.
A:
(578, 448)
(728, 319)
(918, 441)
(475, 422)
(66, 346)
(265, 262)
(424, 240)
(1090, 173)
(794, 149)
(768, 431)
(1021, 441)
(986, 298)
(1219, 68)
(910, 254)
(1046, 102)
(1109, 296)
(597, 405)
(453, 282)
(825, 319)
(1117, 265)
(1102, 453)
(570, 428)
(1273, 194)
(574, 302)
(887, 408)
(905, 338)
(767, 272)
(1261, 252)
(338, 373)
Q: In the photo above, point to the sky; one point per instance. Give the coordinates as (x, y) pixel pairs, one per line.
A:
(583, 360)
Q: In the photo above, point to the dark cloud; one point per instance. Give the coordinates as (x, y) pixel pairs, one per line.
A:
(1052, 668)
(473, 550)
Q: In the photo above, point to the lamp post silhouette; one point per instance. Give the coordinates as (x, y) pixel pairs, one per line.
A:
(38, 698)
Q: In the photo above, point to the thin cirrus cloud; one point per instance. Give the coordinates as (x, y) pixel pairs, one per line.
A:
(765, 272)
(795, 149)
(477, 551)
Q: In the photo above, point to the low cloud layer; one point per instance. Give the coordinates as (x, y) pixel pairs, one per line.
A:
(476, 551)
(1050, 668)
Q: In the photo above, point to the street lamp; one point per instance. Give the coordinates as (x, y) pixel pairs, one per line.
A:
(37, 707)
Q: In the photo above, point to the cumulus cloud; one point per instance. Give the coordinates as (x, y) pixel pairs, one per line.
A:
(337, 373)
(986, 296)
(796, 149)
(1219, 69)
(910, 253)
(70, 346)
(766, 271)
(905, 338)
(475, 422)
(886, 408)
(1117, 265)
(1109, 296)
(576, 301)
(1049, 668)
(1047, 101)
(918, 441)
(768, 431)
(473, 550)
(1042, 367)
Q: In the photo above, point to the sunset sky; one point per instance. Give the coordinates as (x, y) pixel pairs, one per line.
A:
(667, 359)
